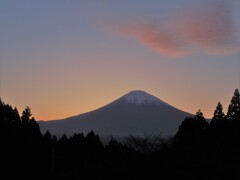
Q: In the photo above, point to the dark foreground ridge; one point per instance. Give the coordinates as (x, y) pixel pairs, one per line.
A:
(199, 150)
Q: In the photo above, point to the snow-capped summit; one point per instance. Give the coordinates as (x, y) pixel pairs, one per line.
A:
(141, 97)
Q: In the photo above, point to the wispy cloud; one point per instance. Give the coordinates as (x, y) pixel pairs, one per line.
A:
(210, 30)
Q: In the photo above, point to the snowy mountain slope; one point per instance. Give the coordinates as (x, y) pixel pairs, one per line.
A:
(135, 113)
(141, 97)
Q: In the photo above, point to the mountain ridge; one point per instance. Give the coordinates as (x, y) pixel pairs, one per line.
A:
(135, 113)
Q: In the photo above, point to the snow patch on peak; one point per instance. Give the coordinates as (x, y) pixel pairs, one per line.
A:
(141, 97)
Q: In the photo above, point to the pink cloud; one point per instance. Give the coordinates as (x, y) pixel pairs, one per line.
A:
(156, 38)
(208, 30)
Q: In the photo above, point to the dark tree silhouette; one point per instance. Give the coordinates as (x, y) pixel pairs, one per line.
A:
(26, 114)
(192, 130)
(234, 107)
(218, 115)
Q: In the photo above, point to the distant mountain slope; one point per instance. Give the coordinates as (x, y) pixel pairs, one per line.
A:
(135, 113)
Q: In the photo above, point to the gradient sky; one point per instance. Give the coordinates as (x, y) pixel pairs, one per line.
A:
(62, 58)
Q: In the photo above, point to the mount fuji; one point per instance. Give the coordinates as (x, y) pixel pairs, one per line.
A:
(136, 113)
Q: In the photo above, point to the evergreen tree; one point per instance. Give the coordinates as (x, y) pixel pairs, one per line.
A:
(234, 107)
(63, 139)
(92, 141)
(16, 115)
(192, 131)
(34, 127)
(199, 115)
(218, 115)
(26, 114)
(47, 144)
(217, 133)
(47, 136)
(233, 131)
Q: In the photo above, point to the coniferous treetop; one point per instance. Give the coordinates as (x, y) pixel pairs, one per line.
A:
(218, 115)
(234, 107)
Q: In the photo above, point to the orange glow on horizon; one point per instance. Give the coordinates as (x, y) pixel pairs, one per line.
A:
(62, 111)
